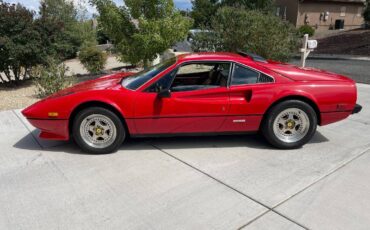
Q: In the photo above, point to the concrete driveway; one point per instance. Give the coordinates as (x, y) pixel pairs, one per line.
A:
(225, 182)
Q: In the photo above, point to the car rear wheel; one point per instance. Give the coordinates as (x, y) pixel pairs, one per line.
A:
(98, 130)
(290, 124)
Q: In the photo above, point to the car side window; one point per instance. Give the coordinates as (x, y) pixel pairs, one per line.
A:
(163, 83)
(243, 76)
(202, 75)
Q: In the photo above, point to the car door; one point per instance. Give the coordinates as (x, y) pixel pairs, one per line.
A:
(195, 103)
(250, 92)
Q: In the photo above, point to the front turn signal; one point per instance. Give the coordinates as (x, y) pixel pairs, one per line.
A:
(53, 114)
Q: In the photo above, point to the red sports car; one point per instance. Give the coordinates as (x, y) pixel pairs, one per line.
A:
(199, 93)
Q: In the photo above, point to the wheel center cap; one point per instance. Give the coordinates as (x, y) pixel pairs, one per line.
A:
(98, 131)
(290, 124)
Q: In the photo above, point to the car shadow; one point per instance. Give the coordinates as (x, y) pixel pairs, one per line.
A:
(256, 141)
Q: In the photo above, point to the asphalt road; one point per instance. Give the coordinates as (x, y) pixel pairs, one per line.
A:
(223, 182)
(357, 70)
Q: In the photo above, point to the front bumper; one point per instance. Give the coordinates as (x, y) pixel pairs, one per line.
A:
(51, 129)
(357, 109)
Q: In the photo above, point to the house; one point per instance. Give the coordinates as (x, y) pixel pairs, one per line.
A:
(322, 14)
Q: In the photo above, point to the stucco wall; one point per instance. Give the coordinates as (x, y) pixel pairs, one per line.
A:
(352, 19)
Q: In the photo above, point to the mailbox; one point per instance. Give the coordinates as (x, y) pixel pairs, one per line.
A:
(307, 47)
(312, 44)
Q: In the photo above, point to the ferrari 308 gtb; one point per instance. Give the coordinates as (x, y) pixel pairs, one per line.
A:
(199, 93)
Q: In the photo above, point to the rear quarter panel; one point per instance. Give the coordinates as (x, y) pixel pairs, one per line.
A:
(329, 96)
(335, 100)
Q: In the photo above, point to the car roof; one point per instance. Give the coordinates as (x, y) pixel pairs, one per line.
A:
(212, 56)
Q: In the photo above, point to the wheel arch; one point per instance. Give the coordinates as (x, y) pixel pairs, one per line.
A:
(295, 97)
(95, 103)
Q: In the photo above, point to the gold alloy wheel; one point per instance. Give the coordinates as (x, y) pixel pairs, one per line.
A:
(291, 125)
(98, 131)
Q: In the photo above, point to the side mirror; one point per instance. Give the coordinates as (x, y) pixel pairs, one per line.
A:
(166, 93)
(162, 93)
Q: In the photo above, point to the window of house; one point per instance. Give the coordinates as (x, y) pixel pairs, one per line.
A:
(343, 11)
(278, 11)
(359, 12)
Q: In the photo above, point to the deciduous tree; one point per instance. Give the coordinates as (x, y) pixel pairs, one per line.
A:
(62, 33)
(203, 12)
(20, 43)
(263, 5)
(142, 29)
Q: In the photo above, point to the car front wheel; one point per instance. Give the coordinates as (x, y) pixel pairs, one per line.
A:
(98, 130)
(290, 124)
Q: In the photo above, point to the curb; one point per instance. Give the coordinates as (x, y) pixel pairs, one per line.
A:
(333, 57)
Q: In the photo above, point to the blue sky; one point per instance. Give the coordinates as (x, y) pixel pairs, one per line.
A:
(34, 4)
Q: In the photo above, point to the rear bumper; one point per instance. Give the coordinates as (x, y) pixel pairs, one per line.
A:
(357, 109)
(331, 117)
(51, 129)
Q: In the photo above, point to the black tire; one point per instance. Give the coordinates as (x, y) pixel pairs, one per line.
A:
(116, 143)
(267, 124)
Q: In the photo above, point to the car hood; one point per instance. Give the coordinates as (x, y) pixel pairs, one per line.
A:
(104, 82)
(303, 73)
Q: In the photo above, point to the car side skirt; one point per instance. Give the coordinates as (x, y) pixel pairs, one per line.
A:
(192, 134)
(196, 124)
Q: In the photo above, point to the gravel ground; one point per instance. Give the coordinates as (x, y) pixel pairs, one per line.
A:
(20, 97)
(24, 95)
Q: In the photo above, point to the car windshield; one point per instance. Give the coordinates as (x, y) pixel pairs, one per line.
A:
(135, 81)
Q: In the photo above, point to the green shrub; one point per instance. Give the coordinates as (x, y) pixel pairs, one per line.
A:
(306, 29)
(206, 41)
(236, 29)
(51, 78)
(92, 58)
